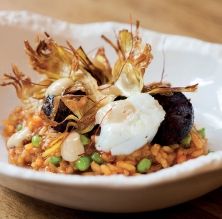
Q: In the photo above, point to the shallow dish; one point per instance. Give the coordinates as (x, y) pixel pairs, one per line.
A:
(187, 61)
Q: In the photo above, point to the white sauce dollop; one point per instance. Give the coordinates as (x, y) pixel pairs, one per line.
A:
(17, 138)
(126, 125)
(72, 147)
(58, 86)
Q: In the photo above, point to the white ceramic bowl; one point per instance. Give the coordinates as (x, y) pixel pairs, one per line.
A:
(187, 61)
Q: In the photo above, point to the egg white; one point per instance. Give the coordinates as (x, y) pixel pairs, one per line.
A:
(126, 125)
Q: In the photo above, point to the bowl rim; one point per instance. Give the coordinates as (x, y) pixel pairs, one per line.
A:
(200, 165)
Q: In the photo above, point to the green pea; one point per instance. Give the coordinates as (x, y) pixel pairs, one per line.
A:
(55, 160)
(19, 127)
(83, 163)
(144, 165)
(85, 140)
(186, 141)
(36, 140)
(202, 132)
(97, 157)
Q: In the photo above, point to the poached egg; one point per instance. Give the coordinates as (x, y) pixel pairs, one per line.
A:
(127, 125)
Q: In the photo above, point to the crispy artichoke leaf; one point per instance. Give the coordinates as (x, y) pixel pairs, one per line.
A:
(91, 68)
(84, 112)
(23, 85)
(50, 59)
(125, 42)
(133, 58)
(143, 58)
(165, 88)
(86, 62)
(129, 80)
(88, 65)
(75, 104)
(76, 89)
(55, 145)
(88, 82)
(87, 123)
(20, 82)
(102, 63)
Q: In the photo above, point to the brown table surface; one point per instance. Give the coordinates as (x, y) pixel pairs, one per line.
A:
(196, 18)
